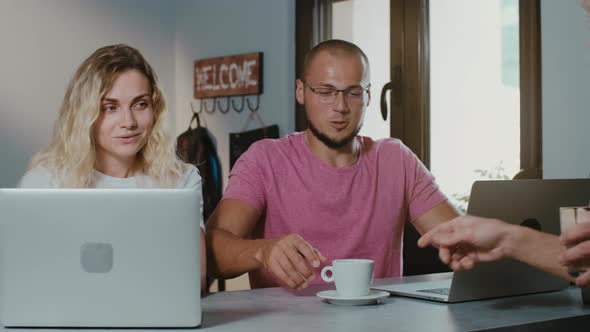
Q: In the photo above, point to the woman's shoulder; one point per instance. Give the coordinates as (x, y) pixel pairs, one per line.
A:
(191, 178)
(38, 177)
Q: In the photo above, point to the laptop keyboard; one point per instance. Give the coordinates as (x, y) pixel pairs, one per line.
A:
(439, 291)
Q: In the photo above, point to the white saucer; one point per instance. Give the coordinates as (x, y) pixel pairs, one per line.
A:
(373, 297)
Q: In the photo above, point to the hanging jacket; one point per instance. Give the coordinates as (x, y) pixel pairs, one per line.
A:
(240, 142)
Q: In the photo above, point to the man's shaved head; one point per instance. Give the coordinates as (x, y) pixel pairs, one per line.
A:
(335, 47)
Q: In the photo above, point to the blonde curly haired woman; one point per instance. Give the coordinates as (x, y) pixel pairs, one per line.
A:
(110, 132)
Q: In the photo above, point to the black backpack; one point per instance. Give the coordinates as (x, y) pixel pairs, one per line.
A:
(195, 146)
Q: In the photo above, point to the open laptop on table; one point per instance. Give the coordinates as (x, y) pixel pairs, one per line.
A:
(533, 203)
(99, 258)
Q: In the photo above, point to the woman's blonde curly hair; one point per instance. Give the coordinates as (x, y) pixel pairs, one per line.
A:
(71, 154)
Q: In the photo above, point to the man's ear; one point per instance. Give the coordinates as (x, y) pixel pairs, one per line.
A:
(299, 91)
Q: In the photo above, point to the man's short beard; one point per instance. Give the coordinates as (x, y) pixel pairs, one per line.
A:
(330, 142)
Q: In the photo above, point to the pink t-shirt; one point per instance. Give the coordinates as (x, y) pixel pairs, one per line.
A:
(352, 212)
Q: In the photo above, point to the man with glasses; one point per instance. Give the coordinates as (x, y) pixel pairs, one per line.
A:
(326, 193)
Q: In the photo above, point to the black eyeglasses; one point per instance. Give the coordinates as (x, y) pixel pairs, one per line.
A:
(354, 96)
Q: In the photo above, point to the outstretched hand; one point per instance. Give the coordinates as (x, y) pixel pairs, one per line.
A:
(466, 240)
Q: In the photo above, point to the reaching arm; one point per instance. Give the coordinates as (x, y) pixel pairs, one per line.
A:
(538, 249)
(233, 253)
(466, 240)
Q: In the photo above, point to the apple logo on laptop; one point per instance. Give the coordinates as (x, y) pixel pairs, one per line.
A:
(96, 257)
(532, 223)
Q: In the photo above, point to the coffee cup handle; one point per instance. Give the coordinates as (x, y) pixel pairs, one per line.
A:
(325, 277)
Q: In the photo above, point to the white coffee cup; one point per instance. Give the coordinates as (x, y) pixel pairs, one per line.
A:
(353, 277)
(568, 217)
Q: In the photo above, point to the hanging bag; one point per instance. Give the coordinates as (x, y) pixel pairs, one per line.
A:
(195, 146)
(240, 142)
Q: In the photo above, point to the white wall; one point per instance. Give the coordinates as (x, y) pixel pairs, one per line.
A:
(211, 28)
(566, 89)
(42, 44)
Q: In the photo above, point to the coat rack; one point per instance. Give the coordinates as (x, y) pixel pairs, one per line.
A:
(228, 83)
(225, 104)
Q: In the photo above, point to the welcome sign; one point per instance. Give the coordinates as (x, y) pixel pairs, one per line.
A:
(233, 75)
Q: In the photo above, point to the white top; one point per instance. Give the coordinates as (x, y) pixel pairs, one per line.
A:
(40, 177)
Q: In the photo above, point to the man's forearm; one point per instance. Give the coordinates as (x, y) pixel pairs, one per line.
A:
(230, 255)
(537, 249)
(203, 261)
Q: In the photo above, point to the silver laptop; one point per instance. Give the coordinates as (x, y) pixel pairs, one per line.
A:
(99, 258)
(532, 203)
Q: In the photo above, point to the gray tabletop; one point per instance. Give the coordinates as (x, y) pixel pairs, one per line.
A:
(279, 309)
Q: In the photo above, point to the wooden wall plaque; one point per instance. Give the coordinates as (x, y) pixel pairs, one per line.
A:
(233, 75)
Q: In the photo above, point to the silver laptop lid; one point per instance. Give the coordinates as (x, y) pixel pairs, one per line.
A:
(100, 257)
(533, 202)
